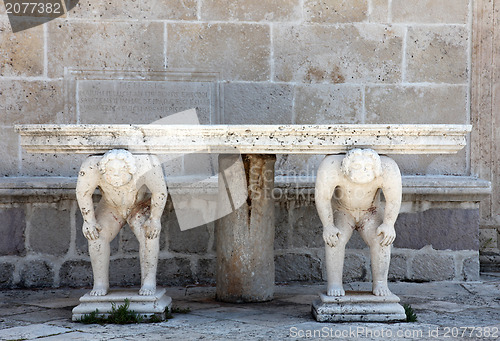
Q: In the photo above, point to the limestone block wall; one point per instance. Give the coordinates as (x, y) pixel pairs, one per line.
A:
(293, 62)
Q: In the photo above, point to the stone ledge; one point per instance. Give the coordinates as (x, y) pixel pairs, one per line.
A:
(415, 188)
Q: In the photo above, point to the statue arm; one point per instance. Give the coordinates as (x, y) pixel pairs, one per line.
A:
(392, 188)
(327, 179)
(88, 179)
(155, 181)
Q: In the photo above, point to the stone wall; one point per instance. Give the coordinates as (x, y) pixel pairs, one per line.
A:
(290, 62)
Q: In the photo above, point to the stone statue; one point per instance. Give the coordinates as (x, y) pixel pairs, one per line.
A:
(355, 182)
(124, 180)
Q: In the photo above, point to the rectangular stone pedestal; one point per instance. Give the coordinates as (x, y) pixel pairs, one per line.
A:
(146, 306)
(358, 306)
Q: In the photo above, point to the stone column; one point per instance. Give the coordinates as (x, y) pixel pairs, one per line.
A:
(245, 237)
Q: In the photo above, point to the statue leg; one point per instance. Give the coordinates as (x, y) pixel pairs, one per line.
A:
(99, 249)
(380, 255)
(148, 252)
(335, 255)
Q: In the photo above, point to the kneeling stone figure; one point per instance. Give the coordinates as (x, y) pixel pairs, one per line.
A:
(355, 182)
(124, 180)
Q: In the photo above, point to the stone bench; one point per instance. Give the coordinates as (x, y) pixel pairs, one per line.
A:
(254, 280)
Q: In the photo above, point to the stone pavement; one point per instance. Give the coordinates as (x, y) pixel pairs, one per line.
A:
(442, 309)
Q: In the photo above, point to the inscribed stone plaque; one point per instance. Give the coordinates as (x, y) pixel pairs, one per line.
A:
(131, 97)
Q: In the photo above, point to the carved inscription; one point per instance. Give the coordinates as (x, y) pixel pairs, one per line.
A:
(129, 101)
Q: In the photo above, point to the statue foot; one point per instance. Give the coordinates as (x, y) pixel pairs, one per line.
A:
(99, 291)
(335, 290)
(147, 290)
(381, 289)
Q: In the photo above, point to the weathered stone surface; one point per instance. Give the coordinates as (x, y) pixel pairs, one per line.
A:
(174, 271)
(251, 10)
(128, 241)
(205, 46)
(444, 229)
(190, 241)
(355, 267)
(429, 265)
(282, 232)
(36, 274)
(50, 164)
(6, 275)
(297, 267)
(379, 11)
(470, 270)
(87, 9)
(12, 229)
(422, 164)
(399, 266)
(328, 104)
(335, 11)
(10, 156)
(26, 102)
(253, 103)
(169, 10)
(430, 11)
(125, 272)
(21, 51)
(307, 230)
(76, 274)
(207, 268)
(49, 230)
(100, 46)
(245, 237)
(437, 54)
(415, 104)
(318, 54)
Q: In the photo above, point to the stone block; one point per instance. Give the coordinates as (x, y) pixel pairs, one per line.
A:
(76, 273)
(379, 11)
(335, 11)
(356, 242)
(282, 232)
(207, 268)
(31, 102)
(125, 272)
(169, 10)
(238, 51)
(49, 230)
(6, 275)
(398, 267)
(429, 265)
(9, 144)
(12, 230)
(470, 270)
(488, 239)
(319, 54)
(251, 10)
(355, 267)
(128, 240)
(444, 229)
(297, 267)
(416, 104)
(430, 11)
(255, 103)
(437, 54)
(298, 165)
(174, 271)
(51, 164)
(328, 104)
(307, 230)
(194, 240)
(97, 45)
(21, 51)
(87, 9)
(36, 274)
(432, 164)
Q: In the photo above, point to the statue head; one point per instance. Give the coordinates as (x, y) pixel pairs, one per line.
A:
(117, 167)
(361, 165)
